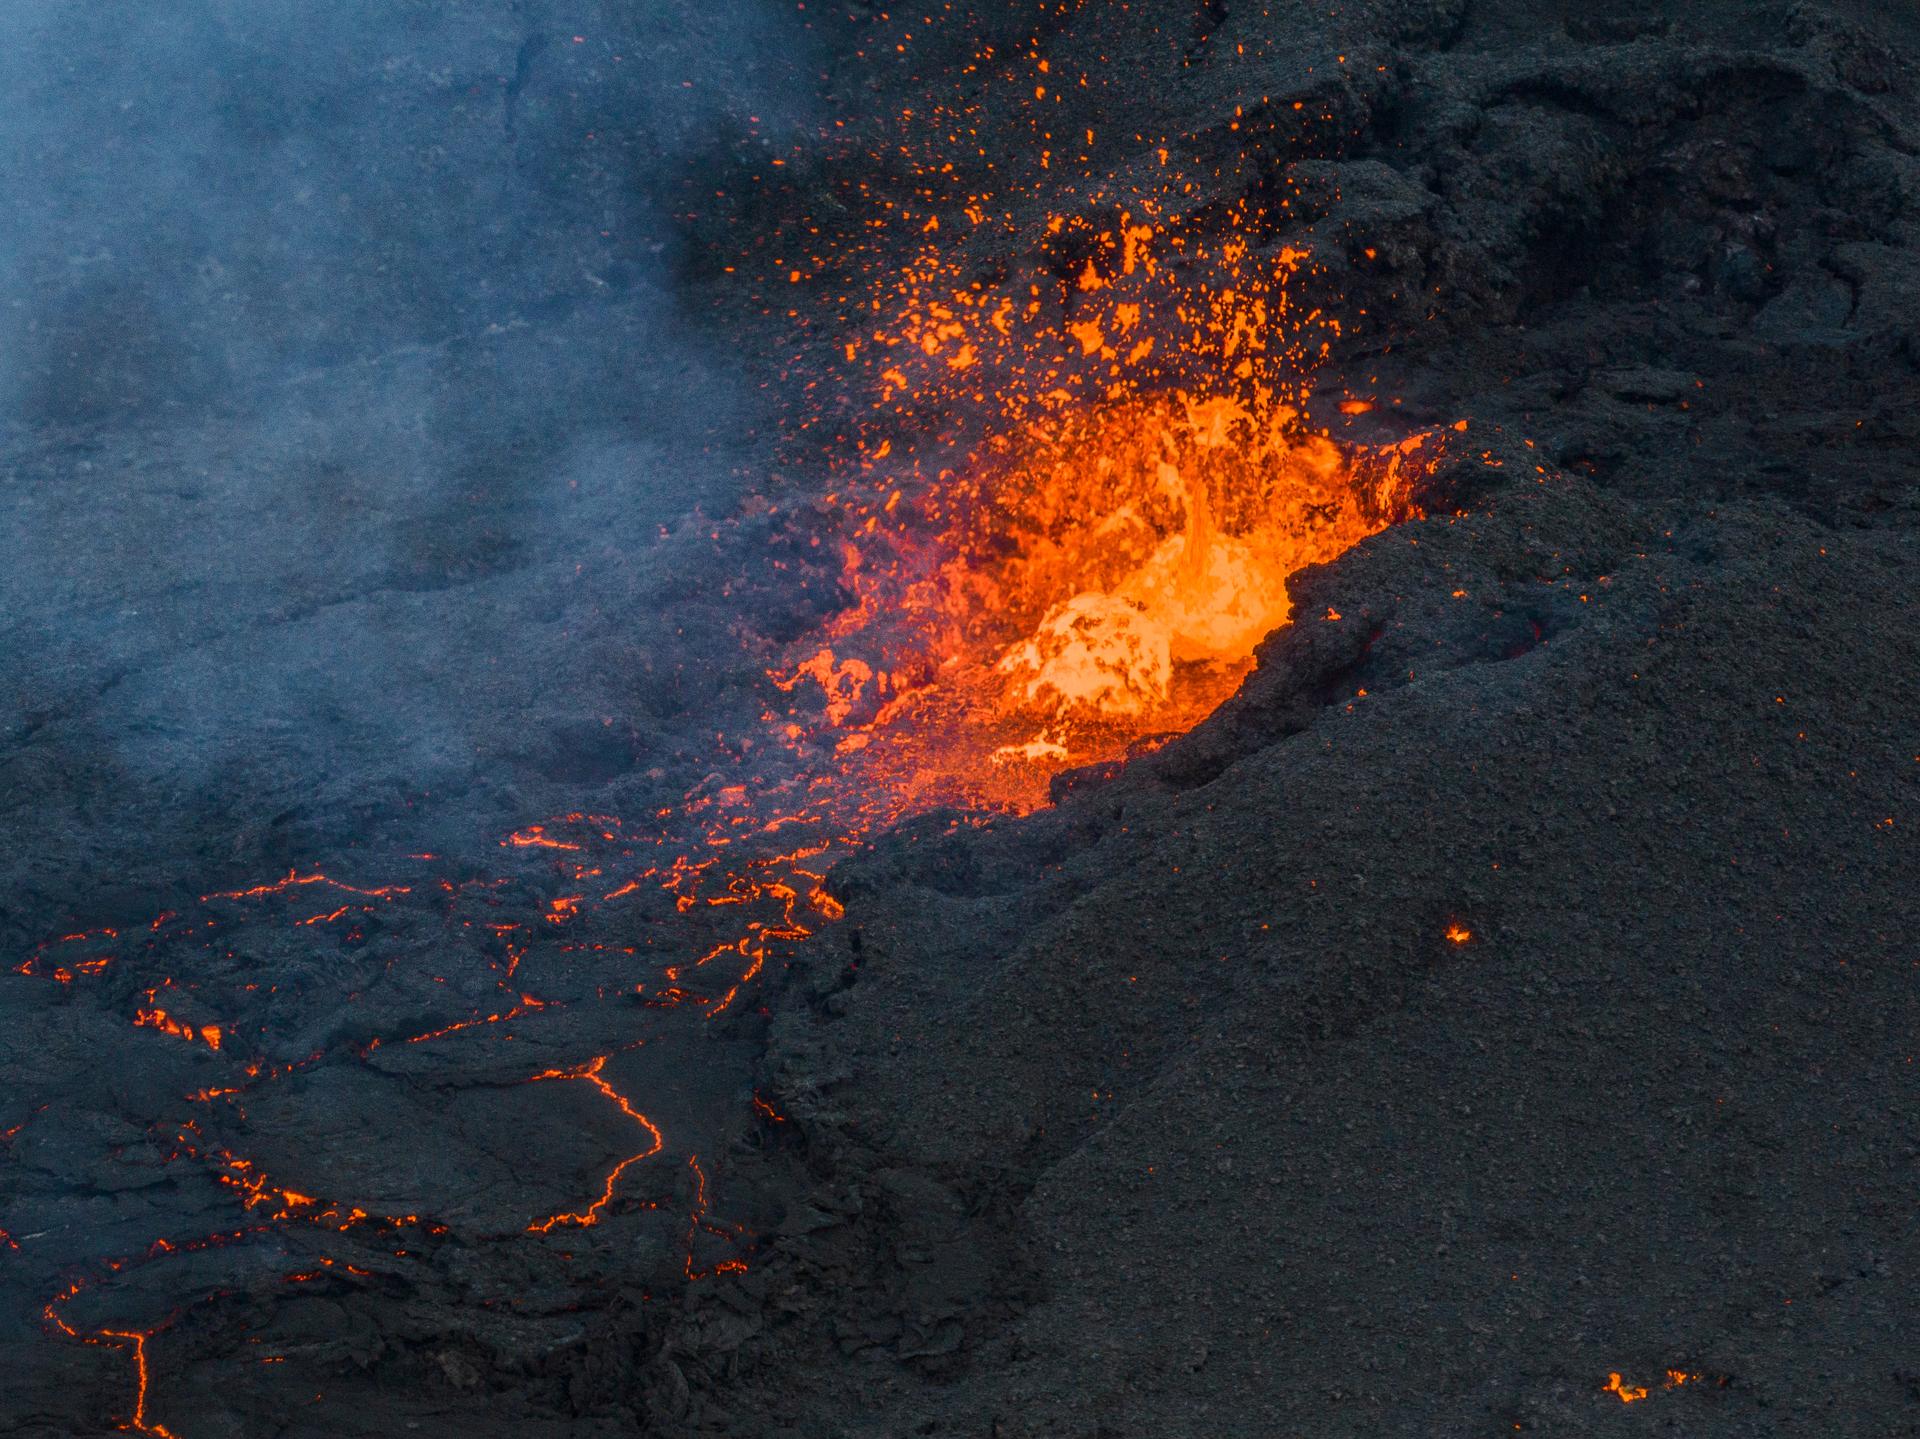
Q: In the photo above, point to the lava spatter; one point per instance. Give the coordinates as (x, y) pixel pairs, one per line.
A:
(1087, 556)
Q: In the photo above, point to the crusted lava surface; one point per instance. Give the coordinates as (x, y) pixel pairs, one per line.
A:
(475, 968)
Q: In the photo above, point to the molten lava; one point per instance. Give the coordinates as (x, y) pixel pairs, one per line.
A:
(590, 1073)
(1089, 552)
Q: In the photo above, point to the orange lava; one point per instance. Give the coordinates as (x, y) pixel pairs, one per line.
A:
(139, 1423)
(293, 879)
(590, 1072)
(1629, 1393)
(41, 965)
(699, 1223)
(207, 1034)
(1090, 554)
(527, 1005)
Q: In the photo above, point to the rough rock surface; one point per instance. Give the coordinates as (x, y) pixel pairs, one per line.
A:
(1173, 1109)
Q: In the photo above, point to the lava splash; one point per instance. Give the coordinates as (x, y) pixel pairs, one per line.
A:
(1083, 559)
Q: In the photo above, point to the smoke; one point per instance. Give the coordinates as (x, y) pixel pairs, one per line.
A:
(341, 350)
(213, 193)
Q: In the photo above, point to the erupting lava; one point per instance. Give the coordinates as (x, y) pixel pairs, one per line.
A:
(1081, 479)
(1089, 553)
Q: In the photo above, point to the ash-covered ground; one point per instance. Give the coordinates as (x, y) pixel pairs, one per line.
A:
(1500, 1017)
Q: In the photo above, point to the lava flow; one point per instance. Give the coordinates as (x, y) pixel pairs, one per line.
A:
(590, 1073)
(1063, 521)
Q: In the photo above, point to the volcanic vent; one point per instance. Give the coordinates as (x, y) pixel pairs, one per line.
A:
(1080, 494)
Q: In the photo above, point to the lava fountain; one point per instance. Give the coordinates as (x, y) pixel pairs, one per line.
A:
(1084, 554)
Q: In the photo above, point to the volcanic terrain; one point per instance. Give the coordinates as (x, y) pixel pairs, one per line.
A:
(1073, 719)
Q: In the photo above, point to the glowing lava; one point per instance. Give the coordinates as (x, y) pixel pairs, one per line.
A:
(1088, 555)
(590, 1073)
(139, 1423)
(1629, 1393)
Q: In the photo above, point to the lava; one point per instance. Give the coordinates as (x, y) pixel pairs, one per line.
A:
(1063, 514)
(699, 1223)
(40, 964)
(1089, 557)
(527, 1005)
(139, 1422)
(207, 1034)
(1629, 1393)
(590, 1073)
(293, 879)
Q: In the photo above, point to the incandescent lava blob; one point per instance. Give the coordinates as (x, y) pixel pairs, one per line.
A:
(1086, 557)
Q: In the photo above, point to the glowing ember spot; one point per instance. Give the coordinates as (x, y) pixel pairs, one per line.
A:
(1629, 1393)
(843, 682)
(207, 1034)
(1458, 934)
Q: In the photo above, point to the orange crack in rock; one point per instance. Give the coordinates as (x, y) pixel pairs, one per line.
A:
(590, 1073)
(699, 1223)
(139, 1422)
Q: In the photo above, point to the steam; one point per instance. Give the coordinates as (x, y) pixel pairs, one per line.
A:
(241, 192)
(342, 352)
